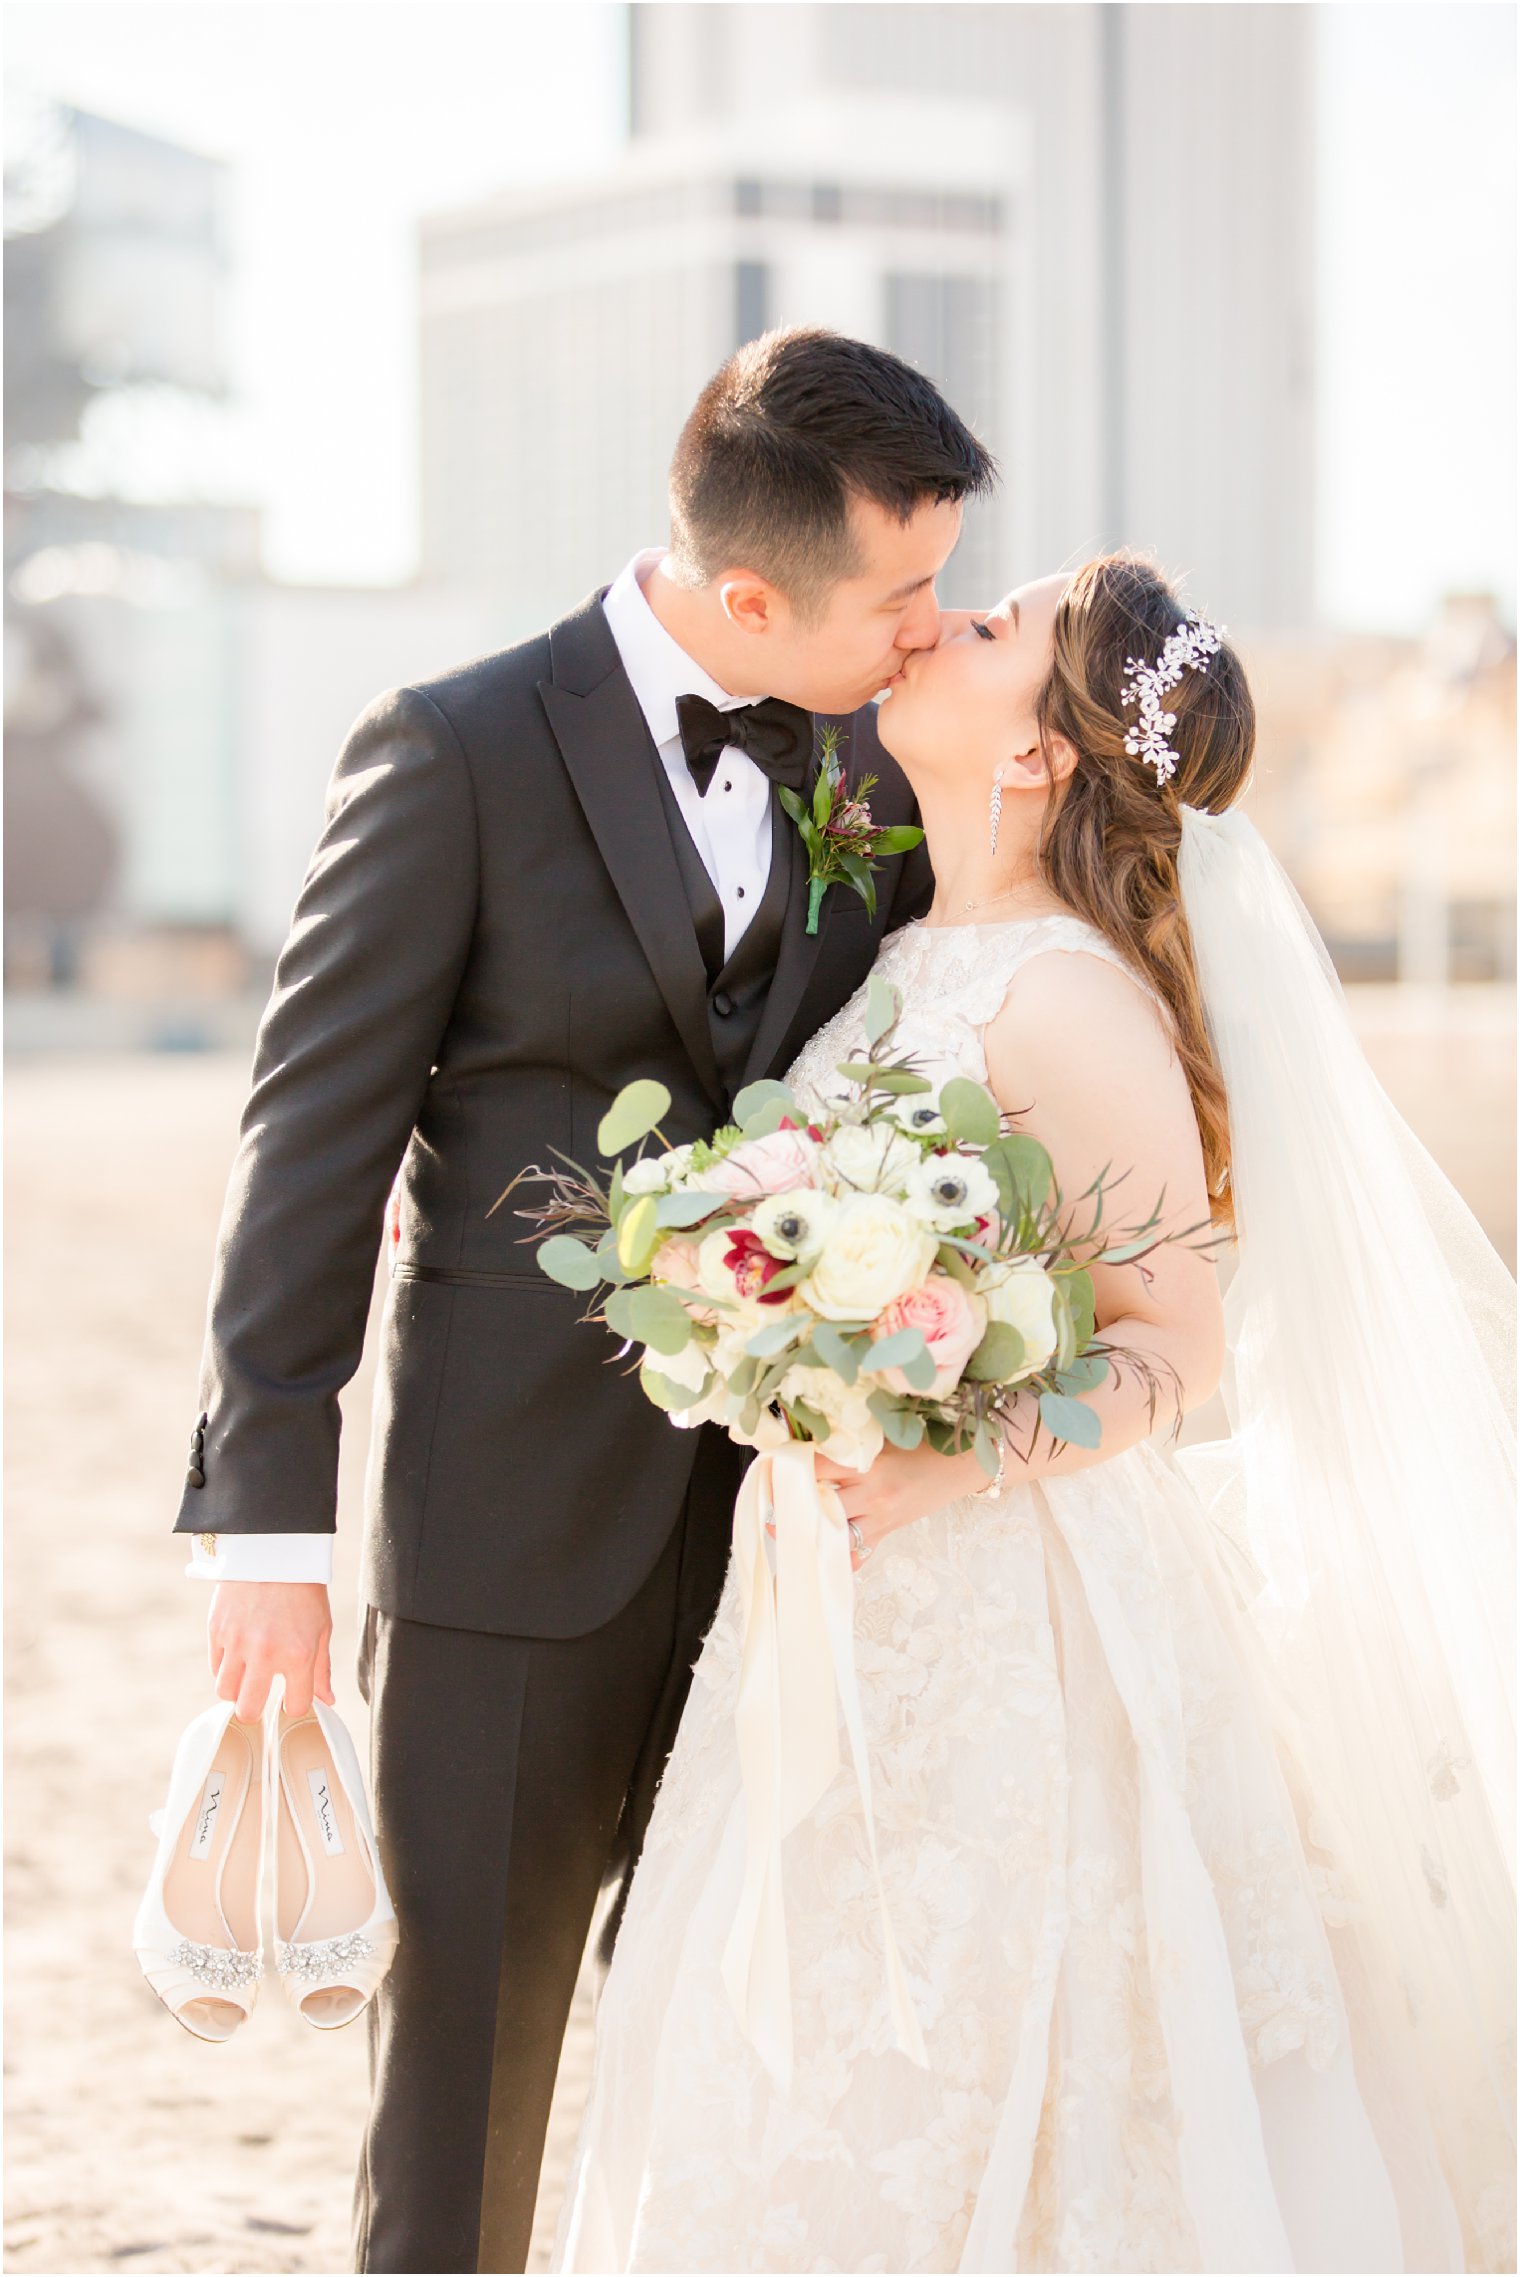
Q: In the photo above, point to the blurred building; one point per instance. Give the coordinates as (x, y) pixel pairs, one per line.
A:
(120, 789)
(1385, 782)
(1092, 225)
(171, 715)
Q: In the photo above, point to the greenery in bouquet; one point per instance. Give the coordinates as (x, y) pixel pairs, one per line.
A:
(894, 1268)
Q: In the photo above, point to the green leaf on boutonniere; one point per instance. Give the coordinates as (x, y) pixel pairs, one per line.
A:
(842, 842)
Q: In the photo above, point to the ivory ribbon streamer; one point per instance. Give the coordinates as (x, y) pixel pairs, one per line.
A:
(797, 1653)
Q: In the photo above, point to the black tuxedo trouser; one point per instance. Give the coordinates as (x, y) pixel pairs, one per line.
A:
(512, 1777)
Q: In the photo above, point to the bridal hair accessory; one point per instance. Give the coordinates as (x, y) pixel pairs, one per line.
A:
(997, 806)
(1187, 649)
(1369, 1466)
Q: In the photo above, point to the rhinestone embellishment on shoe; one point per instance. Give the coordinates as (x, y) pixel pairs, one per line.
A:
(222, 1968)
(326, 1957)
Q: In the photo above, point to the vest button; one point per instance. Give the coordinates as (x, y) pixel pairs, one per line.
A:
(723, 1004)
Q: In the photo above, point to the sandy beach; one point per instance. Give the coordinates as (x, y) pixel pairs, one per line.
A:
(130, 2144)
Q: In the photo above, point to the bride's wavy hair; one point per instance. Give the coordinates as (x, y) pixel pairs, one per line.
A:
(1111, 835)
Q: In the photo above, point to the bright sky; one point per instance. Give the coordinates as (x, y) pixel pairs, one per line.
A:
(347, 119)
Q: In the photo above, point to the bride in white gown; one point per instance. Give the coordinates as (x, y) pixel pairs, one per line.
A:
(1193, 1861)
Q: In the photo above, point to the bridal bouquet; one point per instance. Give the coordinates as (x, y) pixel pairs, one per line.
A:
(893, 1269)
(890, 1273)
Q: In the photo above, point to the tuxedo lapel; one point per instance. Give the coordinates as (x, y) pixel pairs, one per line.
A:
(606, 746)
(799, 949)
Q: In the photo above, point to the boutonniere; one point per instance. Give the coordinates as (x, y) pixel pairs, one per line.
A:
(843, 843)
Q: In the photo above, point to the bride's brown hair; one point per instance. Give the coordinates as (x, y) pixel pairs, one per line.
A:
(1110, 837)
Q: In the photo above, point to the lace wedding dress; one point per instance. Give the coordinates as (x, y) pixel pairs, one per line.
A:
(1139, 1982)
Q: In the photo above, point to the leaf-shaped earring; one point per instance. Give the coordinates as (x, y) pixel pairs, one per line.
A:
(996, 811)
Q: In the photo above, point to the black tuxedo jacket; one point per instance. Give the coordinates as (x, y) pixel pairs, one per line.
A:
(492, 937)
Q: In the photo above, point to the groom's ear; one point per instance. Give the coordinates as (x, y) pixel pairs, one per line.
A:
(750, 603)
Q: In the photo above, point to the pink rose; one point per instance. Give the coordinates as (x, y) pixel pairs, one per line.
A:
(952, 1321)
(675, 1261)
(763, 1166)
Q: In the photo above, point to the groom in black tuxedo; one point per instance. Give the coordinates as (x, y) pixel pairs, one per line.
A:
(542, 875)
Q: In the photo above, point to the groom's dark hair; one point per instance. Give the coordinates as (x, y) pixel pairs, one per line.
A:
(782, 437)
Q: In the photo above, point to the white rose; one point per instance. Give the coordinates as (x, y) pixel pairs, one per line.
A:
(1019, 1294)
(950, 1190)
(646, 1176)
(855, 1437)
(874, 1252)
(688, 1367)
(870, 1158)
(795, 1225)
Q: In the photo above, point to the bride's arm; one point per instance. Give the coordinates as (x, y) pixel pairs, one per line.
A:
(1080, 1057)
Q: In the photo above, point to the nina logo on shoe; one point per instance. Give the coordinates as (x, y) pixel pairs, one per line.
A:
(327, 1822)
(205, 1817)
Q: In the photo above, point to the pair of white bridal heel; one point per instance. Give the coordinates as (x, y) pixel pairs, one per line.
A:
(290, 1787)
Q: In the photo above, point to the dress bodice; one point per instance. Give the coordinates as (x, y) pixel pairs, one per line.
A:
(952, 980)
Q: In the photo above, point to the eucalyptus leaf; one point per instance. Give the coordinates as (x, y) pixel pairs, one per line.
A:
(1023, 1164)
(998, 1357)
(904, 1426)
(984, 1447)
(896, 1351)
(687, 1208)
(618, 1315)
(921, 1371)
(901, 1082)
(1084, 1373)
(1077, 1288)
(569, 1262)
(770, 1118)
(670, 1396)
(638, 1234)
(1069, 1419)
(835, 1353)
(632, 1115)
(883, 1009)
(659, 1318)
(754, 1096)
(773, 1338)
(970, 1112)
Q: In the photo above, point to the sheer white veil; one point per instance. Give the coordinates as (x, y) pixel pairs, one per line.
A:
(1370, 1393)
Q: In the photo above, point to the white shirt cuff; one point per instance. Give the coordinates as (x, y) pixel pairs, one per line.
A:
(263, 1557)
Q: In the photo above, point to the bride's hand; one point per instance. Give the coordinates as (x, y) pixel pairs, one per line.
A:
(900, 1486)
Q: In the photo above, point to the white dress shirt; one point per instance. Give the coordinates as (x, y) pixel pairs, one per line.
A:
(731, 828)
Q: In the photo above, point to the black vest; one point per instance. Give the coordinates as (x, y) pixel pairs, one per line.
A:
(737, 987)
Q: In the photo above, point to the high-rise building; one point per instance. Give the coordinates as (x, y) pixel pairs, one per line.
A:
(1090, 223)
(565, 336)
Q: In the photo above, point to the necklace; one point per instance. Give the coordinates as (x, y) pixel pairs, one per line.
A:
(988, 899)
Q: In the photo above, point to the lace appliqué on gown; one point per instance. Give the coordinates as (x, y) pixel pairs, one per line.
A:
(1113, 1919)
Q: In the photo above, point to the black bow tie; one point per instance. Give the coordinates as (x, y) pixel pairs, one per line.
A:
(778, 736)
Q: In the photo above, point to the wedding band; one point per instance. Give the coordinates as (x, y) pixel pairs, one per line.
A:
(862, 1548)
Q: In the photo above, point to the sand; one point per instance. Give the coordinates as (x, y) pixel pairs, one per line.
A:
(130, 2144)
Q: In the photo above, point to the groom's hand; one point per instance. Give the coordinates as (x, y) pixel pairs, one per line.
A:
(258, 1630)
